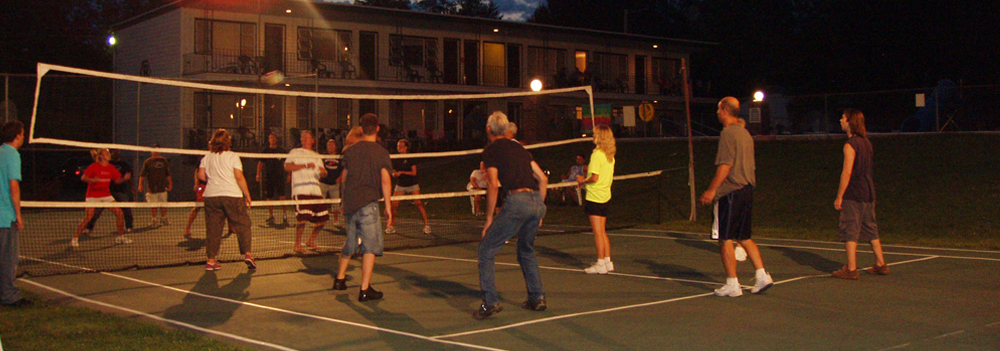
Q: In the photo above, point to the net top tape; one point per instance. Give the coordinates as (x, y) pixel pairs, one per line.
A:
(44, 68)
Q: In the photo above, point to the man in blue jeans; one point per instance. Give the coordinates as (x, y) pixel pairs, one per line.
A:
(508, 163)
(366, 173)
(12, 134)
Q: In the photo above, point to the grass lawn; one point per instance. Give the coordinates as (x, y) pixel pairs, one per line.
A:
(52, 327)
(932, 189)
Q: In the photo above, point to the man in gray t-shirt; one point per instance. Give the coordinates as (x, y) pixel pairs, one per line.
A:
(736, 151)
(366, 173)
(731, 191)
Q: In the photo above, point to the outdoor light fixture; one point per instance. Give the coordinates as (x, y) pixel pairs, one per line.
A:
(243, 102)
(536, 85)
(758, 96)
(288, 10)
(496, 30)
(656, 46)
(111, 40)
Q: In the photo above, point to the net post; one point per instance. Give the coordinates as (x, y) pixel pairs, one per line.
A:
(687, 112)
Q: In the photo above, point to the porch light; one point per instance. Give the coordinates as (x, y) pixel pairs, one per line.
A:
(758, 96)
(112, 41)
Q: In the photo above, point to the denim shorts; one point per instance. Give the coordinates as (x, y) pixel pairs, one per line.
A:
(366, 224)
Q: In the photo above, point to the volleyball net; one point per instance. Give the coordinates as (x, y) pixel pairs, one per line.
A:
(144, 237)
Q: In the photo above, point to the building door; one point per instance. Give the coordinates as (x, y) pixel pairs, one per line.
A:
(640, 74)
(274, 47)
(513, 66)
(471, 54)
(451, 62)
(367, 55)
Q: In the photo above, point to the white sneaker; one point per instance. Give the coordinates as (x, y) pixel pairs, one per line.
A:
(763, 283)
(74, 242)
(610, 265)
(597, 268)
(121, 239)
(165, 221)
(729, 290)
(741, 254)
(390, 230)
(427, 229)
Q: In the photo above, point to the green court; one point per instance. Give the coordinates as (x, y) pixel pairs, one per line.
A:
(658, 297)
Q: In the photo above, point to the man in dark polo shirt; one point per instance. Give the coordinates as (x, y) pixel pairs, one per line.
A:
(508, 163)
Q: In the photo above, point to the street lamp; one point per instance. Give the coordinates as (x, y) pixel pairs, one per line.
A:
(112, 41)
(758, 96)
(536, 85)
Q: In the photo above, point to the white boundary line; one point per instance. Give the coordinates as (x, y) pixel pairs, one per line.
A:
(815, 241)
(613, 309)
(555, 268)
(158, 318)
(250, 304)
(821, 248)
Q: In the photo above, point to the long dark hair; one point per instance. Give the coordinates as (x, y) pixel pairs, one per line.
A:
(856, 121)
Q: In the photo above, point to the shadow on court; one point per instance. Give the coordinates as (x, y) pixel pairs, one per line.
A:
(659, 297)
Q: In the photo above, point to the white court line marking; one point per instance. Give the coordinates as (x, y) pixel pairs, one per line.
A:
(814, 248)
(569, 316)
(942, 336)
(897, 347)
(161, 319)
(555, 268)
(813, 241)
(613, 309)
(991, 325)
(273, 309)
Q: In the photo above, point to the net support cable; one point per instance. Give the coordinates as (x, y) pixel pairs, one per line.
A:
(190, 204)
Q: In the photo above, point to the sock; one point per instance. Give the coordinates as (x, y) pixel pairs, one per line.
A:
(607, 259)
(733, 281)
(761, 273)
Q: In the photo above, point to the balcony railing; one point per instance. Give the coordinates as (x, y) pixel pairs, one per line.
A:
(388, 70)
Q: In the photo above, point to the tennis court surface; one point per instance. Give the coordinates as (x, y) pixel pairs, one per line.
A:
(658, 297)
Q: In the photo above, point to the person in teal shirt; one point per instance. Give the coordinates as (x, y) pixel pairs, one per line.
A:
(10, 212)
(600, 174)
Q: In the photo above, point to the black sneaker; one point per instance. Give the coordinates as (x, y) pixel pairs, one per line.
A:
(20, 303)
(250, 262)
(486, 311)
(369, 294)
(536, 305)
(341, 284)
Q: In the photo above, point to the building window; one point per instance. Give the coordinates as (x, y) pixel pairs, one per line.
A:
(494, 64)
(549, 65)
(215, 110)
(225, 38)
(666, 75)
(609, 72)
(324, 45)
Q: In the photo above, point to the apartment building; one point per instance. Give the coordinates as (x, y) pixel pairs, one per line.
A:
(340, 48)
